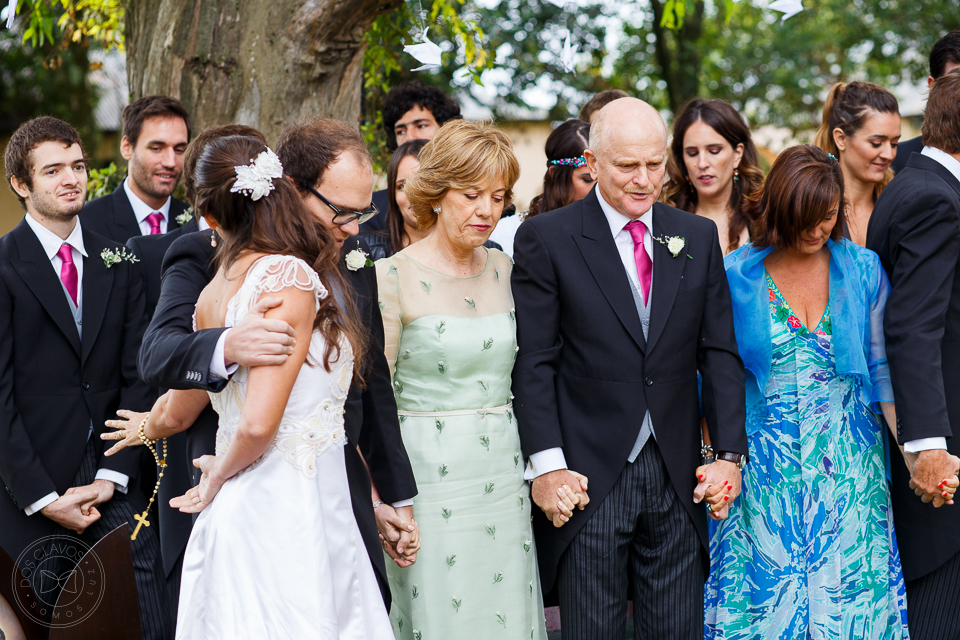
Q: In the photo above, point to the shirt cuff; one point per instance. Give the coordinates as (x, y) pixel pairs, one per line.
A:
(544, 462)
(403, 503)
(219, 369)
(117, 478)
(925, 444)
(41, 503)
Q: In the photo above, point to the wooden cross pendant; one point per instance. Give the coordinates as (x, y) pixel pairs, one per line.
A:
(141, 522)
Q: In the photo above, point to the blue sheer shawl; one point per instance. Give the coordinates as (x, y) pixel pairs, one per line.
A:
(858, 294)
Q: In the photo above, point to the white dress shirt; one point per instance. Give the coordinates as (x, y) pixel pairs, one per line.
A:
(51, 244)
(553, 459)
(141, 209)
(952, 165)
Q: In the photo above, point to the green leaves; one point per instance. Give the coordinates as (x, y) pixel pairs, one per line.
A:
(442, 471)
(446, 513)
(452, 560)
(488, 489)
(487, 344)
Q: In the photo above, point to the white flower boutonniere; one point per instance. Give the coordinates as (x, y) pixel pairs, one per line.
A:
(674, 245)
(116, 256)
(184, 218)
(357, 259)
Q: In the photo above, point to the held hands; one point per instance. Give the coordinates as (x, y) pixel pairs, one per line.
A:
(399, 534)
(558, 492)
(934, 476)
(196, 499)
(77, 508)
(129, 431)
(719, 486)
(257, 341)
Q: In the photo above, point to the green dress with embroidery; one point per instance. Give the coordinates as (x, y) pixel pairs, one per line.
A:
(451, 345)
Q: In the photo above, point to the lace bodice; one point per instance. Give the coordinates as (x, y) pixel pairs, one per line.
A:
(313, 418)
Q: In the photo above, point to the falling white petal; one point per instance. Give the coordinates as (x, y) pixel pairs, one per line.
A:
(568, 55)
(426, 52)
(789, 8)
(558, 3)
(11, 13)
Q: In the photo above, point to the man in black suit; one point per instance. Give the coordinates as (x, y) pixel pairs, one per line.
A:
(944, 58)
(156, 130)
(71, 318)
(411, 111)
(619, 302)
(915, 229)
(329, 157)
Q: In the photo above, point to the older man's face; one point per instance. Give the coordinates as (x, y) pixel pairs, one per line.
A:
(630, 167)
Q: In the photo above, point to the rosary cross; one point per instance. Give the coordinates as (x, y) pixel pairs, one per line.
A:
(141, 522)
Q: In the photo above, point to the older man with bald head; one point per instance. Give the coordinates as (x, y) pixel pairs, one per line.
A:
(620, 301)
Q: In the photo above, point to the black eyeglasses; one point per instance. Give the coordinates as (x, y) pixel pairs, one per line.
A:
(342, 217)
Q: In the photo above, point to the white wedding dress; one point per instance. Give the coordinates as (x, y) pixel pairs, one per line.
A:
(278, 554)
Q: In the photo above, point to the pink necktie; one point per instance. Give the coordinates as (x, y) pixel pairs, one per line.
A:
(644, 264)
(68, 271)
(154, 220)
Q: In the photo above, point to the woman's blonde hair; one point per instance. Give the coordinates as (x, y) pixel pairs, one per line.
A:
(463, 155)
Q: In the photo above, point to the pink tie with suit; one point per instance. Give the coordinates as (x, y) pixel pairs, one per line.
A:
(154, 220)
(638, 231)
(68, 270)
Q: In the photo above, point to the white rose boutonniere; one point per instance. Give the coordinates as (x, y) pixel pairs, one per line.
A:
(184, 218)
(357, 259)
(674, 245)
(116, 256)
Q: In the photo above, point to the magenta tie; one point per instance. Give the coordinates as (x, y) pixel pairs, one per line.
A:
(154, 220)
(68, 271)
(644, 264)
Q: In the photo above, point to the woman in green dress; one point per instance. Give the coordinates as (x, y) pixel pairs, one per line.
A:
(451, 343)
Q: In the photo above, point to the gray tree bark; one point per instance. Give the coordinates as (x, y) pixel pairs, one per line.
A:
(262, 63)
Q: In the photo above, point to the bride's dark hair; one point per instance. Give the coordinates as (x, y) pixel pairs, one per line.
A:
(277, 224)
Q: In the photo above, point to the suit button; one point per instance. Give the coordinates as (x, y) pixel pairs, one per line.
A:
(648, 382)
(86, 386)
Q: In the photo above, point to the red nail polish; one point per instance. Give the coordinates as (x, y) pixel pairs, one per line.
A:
(726, 497)
(700, 478)
(944, 494)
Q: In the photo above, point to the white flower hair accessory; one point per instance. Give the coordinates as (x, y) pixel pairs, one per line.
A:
(256, 179)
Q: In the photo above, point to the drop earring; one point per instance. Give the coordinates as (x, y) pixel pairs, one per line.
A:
(736, 175)
(213, 239)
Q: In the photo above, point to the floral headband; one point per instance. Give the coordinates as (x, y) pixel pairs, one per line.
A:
(579, 161)
(256, 179)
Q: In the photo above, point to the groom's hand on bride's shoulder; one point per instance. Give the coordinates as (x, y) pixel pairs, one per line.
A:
(558, 492)
(257, 341)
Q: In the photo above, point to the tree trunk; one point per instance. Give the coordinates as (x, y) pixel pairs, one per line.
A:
(263, 64)
(679, 63)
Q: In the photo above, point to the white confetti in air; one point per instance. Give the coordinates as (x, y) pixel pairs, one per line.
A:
(567, 56)
(426, 52)
(789, 8)
(11, 13)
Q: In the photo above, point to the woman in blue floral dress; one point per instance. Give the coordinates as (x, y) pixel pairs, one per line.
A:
(809, 549)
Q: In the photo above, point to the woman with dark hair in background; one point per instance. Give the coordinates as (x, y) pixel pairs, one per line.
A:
(566, 180)
(713, 166)
(809, 549)
(276, 551)
(401, 229)
(860, 128)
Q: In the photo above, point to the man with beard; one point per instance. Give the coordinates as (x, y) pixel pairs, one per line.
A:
(71, 318)
(156, 130)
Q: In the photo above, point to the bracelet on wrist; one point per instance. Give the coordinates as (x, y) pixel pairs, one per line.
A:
(377, 504)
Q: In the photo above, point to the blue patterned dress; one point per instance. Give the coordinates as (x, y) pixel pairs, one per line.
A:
(809, 549)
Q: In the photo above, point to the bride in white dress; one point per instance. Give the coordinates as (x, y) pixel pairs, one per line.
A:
(276, 551)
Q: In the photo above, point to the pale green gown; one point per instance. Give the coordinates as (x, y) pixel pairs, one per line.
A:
(451, 344)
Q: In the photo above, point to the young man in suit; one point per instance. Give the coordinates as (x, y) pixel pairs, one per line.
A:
(411, 111)
(71, 318)
(156, 130)
(328, 157)
(620, 301)
(944, 58)
(915, 229)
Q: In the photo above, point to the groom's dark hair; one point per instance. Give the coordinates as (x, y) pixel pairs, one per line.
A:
(307, 148)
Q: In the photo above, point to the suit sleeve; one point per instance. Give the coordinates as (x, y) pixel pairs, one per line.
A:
(173, 355)
(537, 303)
(924, 266)
(135, 394)
(20, 466)
(380, 439)
(718, 360)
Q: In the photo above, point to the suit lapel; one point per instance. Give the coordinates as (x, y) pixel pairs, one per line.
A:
(124, 219)
(923, 162)
(38, 274)
(667, 272)
(600, 253)
(97, 283)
